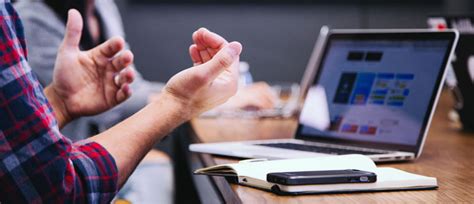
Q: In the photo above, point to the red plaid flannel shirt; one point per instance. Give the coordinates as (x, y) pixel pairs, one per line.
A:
(37, 163)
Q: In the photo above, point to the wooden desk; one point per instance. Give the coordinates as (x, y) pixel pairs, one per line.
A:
(448, 155)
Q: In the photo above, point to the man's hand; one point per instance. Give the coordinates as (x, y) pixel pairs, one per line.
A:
(254, 97)
(214, 78)
(88, 82)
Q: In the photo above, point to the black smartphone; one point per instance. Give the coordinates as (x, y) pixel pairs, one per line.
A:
(322, 177)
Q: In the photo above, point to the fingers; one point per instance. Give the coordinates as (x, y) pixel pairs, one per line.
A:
(195, 56)
(122, 61)
(197, 39)
(213, 40)
(126, 76)
(222, 60)
(207, 44)
(123, 93)
(104, 53)
(73, 31)
(122, 81)
(201, 47)
(205, 55)
(109, 48)
(207, 39)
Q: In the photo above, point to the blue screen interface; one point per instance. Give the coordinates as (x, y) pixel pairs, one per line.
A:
(377, 90)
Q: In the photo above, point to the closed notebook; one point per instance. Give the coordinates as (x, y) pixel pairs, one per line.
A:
(254, 172)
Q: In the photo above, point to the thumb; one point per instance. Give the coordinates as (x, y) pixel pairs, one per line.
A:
(74, 25)
(222, 60)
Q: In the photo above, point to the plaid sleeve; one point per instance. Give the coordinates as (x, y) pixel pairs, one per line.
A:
(37, 163)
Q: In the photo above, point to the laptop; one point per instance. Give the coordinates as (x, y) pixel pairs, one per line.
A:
(372, 92)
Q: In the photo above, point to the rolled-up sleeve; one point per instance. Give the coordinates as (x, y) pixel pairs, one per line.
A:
(95, 171)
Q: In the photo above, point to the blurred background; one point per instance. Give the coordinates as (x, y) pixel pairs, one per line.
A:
(278, 36)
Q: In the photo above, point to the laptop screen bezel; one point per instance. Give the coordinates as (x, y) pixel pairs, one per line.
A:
(450, 36)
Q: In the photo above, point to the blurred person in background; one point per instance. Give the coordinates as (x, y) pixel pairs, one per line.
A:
(44, 22)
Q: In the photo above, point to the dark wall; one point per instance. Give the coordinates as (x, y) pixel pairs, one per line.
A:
(277, 38)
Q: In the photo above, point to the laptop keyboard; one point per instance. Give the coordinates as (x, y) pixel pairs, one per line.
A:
(319, 149)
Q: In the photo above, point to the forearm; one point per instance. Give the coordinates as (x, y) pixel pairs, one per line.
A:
(129, 141)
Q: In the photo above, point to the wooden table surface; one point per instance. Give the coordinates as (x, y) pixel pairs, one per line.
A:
(448, 155)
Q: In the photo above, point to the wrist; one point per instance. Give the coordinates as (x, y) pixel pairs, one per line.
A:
(59, 107)
(179, 109)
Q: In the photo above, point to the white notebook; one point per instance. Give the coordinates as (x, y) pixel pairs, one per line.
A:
(254, 172)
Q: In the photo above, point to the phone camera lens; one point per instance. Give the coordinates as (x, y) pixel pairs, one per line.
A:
(363, 179)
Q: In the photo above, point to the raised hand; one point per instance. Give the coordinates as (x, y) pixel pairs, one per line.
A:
(89, 82)
(209, 84)
(256, 96)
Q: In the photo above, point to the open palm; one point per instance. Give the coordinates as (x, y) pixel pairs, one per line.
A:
(84, 80)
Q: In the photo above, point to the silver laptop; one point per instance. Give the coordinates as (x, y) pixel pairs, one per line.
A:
(370, 92)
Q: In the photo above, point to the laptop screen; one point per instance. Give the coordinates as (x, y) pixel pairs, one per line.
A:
(376, 90)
